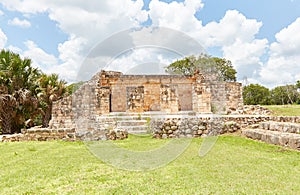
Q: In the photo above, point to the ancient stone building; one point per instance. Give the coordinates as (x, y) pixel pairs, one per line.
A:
(110, 92)
(117, 92)
(141, 93)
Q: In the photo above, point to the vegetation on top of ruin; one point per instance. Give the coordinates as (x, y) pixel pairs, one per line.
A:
(206, 65)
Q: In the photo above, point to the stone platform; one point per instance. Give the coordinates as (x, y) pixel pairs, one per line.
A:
(277, 133)
(117, 125)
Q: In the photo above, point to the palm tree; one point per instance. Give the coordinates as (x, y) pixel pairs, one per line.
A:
(50, 90)
(7, 104)
(17, 91)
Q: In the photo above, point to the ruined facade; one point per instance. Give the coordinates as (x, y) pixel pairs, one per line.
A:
(111, 92)
(142, 93)
(168, 93)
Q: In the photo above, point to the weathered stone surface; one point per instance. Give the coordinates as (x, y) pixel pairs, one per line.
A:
(291, 140)
(173, 128)
(281, 126)
(110, 91)
(216, 125)
(249, 110)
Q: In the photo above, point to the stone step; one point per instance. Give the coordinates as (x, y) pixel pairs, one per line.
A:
(139, 132)
(118, 118)
(291, 140)
(135, 129)
(131, 122)
(280, 126)
(151, 113)
(147, 117)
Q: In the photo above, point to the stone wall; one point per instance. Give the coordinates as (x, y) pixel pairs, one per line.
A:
(183, 127)
(41, 134)
(170, 126)
(155, 86)
(234, 96)
(83, 103)
(103, 100)
(62, 114)
(218, 99)
(250, 110)
(202, 96)
(226, 97)
(64, 134)
(195, 126)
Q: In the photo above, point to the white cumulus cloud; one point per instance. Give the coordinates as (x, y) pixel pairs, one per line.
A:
(283, 65)
(70, 55)
(3, 39)
(18, 22)
(234, 33)
(40, 58)
(88, 23)
(232, 27)
(92, 21)
(176, 15)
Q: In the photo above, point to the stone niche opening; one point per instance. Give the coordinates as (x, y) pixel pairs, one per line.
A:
(135, 99)
(169, 98)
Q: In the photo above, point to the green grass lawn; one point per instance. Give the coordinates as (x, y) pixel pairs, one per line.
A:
(285, 110)
(235, 165)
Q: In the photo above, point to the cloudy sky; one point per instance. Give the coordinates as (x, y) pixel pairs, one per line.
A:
(260, 37)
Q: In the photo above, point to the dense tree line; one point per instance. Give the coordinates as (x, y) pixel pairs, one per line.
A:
(26, 94)
(257, 94)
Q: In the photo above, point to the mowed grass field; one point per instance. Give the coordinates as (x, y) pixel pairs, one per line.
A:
(235, 165)
(284, 110)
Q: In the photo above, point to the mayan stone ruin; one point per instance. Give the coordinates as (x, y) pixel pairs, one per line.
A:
(112, 104)
(111, 92)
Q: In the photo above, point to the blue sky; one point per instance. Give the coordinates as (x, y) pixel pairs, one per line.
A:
(260, 37)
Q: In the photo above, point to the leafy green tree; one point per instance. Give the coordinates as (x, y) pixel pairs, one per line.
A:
(298, 89)
(205, 64)
(254, 94)
(284, 95)
(50, 89)
(73, 87)
(298, 84)
(225, 69)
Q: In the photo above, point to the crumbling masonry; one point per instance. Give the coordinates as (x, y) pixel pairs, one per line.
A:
(110, 92)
